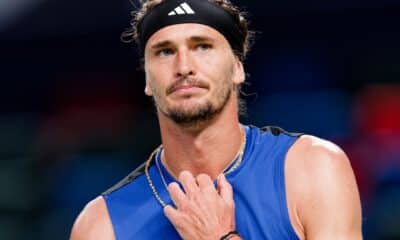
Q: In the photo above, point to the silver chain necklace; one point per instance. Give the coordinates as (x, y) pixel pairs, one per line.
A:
(158, 157)
(238, 160)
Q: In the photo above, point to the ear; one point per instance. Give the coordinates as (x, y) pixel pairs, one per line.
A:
(239, 72)
(147, 89)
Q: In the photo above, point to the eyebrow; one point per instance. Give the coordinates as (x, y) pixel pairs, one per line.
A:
(167, 43)
(161, 44)
(201, 39)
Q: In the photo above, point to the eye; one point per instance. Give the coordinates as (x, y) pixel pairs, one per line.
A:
(204, 47)
(164, 52)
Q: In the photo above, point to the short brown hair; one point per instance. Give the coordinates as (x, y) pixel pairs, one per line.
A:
(132, 33)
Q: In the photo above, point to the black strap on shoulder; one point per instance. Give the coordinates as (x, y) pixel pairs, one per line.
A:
(128, 179)
(275, 130)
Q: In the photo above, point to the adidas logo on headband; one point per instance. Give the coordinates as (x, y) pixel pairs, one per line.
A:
(182, 9)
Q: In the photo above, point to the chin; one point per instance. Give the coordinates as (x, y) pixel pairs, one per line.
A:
(189, 105)
(193, 115)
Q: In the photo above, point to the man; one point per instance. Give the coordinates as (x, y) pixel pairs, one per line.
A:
(214, 178)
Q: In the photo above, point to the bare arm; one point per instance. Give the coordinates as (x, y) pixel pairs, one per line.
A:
(93, 222)
(325, 197)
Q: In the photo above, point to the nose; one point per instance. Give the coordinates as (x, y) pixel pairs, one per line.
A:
(184, 64)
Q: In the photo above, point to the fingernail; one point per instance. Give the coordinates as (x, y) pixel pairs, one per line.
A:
(167, 209)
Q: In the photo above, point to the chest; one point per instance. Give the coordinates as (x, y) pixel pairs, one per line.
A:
(259, 214)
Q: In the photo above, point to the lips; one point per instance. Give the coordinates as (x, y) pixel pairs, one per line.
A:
(186, 86)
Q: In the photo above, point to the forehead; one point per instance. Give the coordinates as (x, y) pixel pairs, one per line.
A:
(185, 31)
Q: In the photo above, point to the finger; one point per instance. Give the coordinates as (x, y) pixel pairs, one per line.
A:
(189, 183)
(176, 194)
(173, 215)
(205, 182)
(225, 189)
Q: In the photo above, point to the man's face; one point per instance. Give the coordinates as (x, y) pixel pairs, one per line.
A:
(191, 72)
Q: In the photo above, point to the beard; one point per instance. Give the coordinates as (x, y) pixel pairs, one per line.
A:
(197, 113)
(200, 113)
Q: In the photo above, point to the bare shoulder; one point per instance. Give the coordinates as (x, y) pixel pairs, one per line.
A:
(93, 222)
(322, 192)
(320, 163)
(316, 152)
(317, 157)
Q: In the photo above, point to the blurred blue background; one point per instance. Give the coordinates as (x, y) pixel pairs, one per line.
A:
(74, 119)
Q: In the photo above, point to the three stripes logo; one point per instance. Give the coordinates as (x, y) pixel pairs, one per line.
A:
(182, 9)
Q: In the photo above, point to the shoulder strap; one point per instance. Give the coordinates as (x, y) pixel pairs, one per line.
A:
(275, 130)
(128, 179)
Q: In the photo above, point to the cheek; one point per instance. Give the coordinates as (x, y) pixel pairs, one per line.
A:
(158, 72)
(214, 67)
(223, 71)
(155, 84)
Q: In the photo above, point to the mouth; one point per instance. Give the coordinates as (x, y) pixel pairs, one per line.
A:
(186, 87)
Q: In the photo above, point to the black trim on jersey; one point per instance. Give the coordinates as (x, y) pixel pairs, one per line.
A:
(276, 131)
(128, 179)
(140, 170)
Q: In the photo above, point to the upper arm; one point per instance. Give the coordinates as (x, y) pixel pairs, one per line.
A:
(93, 222)
(329, 205)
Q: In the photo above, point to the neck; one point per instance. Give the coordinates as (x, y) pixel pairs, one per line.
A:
(208, 149)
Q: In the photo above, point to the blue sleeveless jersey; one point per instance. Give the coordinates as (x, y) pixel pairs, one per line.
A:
(259, 194)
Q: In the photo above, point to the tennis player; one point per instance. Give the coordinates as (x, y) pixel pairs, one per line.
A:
(214, 178)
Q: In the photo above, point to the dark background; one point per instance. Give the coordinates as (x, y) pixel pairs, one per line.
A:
(74, 119)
